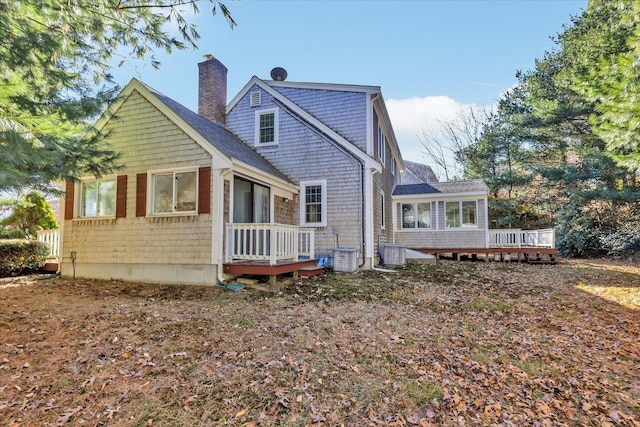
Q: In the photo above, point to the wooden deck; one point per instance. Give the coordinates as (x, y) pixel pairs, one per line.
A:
(532, 255)
(262, 268)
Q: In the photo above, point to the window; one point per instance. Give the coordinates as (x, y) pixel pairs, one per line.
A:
(424, 215)
(461, 214)
(98, 198)
(393, 167)
(174, 192)
(382, 211)
(416, 215)
(313, 203)
(266, 127)
(469, 214)
(382, 143)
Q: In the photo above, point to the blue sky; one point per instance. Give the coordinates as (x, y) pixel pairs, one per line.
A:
(431, 58)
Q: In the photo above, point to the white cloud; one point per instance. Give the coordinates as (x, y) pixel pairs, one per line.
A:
(410, 116)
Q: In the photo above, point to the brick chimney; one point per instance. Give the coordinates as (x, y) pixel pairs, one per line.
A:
(212, 89)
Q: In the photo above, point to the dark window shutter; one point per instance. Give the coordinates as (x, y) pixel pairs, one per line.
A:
(204, 190)
(121, 197)
(69, 200)
(141, 194)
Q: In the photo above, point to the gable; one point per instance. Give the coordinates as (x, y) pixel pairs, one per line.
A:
(147, 139)
(239, 113)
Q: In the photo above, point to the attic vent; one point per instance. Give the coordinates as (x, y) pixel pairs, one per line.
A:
(255, 99)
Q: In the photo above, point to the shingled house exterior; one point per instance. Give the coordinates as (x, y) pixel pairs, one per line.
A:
(285, 171)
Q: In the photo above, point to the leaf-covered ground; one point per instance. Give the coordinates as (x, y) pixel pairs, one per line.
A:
(453, 344)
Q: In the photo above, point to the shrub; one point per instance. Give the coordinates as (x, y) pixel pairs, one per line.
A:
(623, 242)
(12, 233)
(576, 239)
(20, 256)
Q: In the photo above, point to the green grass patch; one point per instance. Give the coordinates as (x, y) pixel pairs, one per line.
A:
(481, 304)
(422, 393)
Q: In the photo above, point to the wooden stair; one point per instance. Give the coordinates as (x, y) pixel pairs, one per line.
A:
(310, 271)
(541, 258)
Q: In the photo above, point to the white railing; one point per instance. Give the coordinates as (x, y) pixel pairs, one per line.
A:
(52, 238)
(306, 243)
(517, 238)
(268, 242)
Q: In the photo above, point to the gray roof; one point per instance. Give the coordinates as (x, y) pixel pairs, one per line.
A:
(220, 137)
(417, 173)
(472, 185)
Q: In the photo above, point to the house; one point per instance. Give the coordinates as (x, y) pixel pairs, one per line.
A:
(417, 173)
(285, 171)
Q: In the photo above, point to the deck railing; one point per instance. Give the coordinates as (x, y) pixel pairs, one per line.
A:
(52, 238)
(517, 238)
(268, 242)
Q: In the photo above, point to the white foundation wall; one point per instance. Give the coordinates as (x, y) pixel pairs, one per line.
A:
(148, 273)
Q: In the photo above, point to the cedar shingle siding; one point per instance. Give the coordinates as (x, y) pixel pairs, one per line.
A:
(148, 141)
(304, 155)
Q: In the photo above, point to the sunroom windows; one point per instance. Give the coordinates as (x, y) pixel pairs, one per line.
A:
(416, 215)
(461, 214)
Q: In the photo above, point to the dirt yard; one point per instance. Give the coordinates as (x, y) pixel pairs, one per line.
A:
(454, 344)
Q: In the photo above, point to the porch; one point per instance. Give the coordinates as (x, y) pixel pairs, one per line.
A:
(517, 238)
(532, 246)
(258, 249)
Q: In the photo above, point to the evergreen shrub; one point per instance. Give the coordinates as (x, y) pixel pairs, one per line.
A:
(22, 256)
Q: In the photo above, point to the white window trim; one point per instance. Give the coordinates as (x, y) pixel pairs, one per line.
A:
(79, 197)
(415, 218)
(383, 211)
(276, 132)
(323, 211)
(460, 224)
(152, 190)
(382, 146)
(393, 166)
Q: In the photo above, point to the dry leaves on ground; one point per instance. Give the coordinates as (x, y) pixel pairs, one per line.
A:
(454, 344)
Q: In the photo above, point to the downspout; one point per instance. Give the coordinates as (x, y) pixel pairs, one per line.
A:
(221, 253)
(352, 156)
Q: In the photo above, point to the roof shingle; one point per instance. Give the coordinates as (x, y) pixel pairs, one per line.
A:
(220, 137)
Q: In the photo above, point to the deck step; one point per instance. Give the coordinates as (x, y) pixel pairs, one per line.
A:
(50, 267)
(311, 271)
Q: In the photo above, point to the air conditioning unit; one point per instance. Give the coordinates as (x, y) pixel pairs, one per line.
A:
(393, 254)
(345, 259)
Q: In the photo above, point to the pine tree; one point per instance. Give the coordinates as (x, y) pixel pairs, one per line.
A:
(55, 59)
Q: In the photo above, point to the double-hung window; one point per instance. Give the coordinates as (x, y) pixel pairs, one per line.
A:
(416, 215)
(98, 198)
(461, 214)
(266, 127)
(174, 192)
(313, 203)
